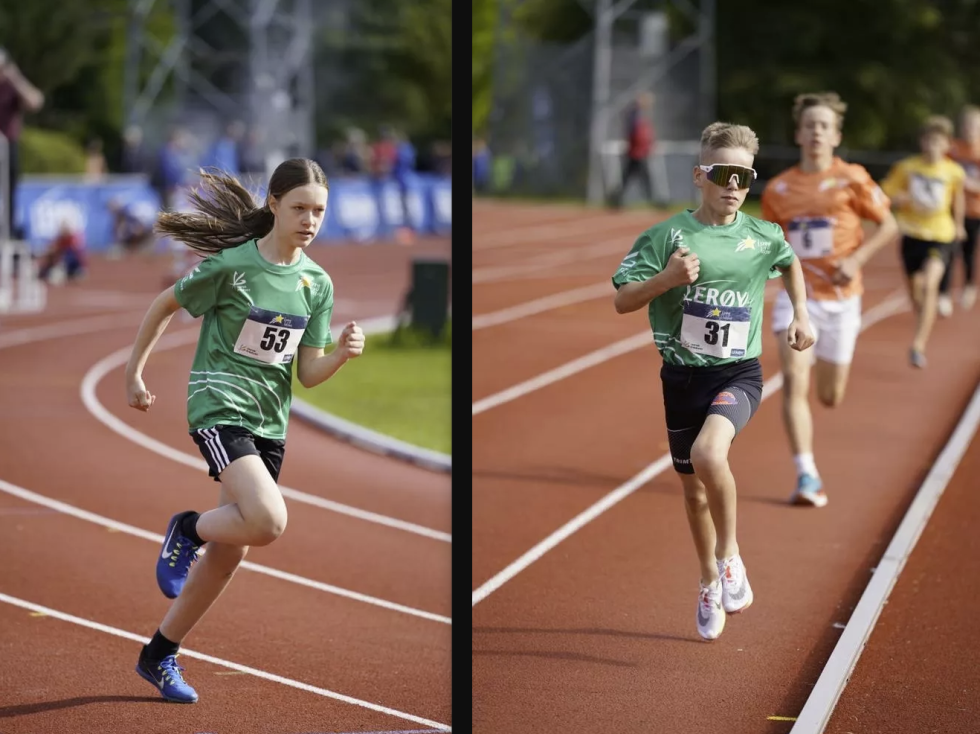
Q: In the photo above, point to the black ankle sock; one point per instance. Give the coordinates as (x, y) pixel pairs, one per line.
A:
(188, 528)
(160, 647)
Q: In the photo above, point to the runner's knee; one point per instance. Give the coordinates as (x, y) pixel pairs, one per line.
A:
(709, 456)
(266, 524)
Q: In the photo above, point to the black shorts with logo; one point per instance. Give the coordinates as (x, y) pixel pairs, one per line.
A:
(220, 445)
(691, 394)
(916, 252)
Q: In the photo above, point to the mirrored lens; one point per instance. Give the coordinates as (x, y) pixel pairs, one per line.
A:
(720, 175)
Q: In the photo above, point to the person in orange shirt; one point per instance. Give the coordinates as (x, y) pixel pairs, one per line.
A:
(966, 152)
(820, 203)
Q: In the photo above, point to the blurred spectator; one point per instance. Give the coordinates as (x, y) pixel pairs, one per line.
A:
(403, 171)
(354, 158)
(133, 159)
(225, 152)
(17, 95)
(95, 165)
(250, 157)
(132, 226)
(481, 166)
(640, 142)
(442, 154)
(383, 154)
(66, 250)
(171, 167)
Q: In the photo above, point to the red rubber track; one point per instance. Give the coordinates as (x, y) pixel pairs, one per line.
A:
(599, 633)
(56, 676)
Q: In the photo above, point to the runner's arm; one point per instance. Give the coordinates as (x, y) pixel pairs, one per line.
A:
(154, 323)
(634, 296)
(796, 289)
(885, 233)
(959, 211)
(314, 367)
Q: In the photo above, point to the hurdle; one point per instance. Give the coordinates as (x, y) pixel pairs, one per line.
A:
(21, 291)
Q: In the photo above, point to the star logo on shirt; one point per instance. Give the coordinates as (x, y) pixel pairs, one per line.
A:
(747, 244)
(714, 312)
(278, 319)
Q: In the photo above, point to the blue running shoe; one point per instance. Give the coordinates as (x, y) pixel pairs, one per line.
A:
(166, 676)
(175, 559)
(809, 492)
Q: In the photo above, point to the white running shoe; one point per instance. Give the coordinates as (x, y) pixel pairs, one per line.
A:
(711, 614)
(736, 592)
(945, 306)
(968, 297)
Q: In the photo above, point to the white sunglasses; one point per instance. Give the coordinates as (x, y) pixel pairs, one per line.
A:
(721, 174)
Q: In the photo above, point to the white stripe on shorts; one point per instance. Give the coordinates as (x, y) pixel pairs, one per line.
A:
(207, 442)
(216, 442)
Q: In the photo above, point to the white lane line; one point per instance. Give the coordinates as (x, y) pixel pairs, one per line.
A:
(536, 233)
(830, 685)
(568, 369)
(170, 341)
(131, 636)
(540, 305)
(71, 327)
(67, 509)
(576, 365)
(896, 303)
(551, 260)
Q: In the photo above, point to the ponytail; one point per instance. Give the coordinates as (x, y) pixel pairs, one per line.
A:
(226, 216)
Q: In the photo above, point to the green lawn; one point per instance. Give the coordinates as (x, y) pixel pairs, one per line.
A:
(403, 391)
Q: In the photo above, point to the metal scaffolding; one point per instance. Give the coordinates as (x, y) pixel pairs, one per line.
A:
(268, 59)
(606, 106)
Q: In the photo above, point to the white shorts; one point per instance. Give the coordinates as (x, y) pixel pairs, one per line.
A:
(836, 325)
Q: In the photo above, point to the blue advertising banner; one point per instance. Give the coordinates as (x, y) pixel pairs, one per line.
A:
(358, 209)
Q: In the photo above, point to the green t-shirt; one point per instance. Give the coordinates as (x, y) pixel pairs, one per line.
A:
(256, 315)
(718, 318)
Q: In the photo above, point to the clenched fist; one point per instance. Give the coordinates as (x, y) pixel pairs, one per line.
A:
(352, 340)
(683, 267)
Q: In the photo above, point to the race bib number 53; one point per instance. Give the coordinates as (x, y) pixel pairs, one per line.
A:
(718, 331)
(270, 336)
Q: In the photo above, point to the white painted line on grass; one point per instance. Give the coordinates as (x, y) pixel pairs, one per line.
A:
(895, 303)
(170, 341)
(186, 652)
(540, 305)
(830, 685)
(121, 527)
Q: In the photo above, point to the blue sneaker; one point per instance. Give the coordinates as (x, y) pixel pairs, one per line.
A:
(176, 557)
(166, 676)
(809, 491)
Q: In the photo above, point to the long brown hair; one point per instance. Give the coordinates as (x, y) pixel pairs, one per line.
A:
(227, 215)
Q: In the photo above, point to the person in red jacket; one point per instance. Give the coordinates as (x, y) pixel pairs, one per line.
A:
(641, 141)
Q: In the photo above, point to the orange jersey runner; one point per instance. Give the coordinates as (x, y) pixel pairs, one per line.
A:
(961, 152)
(821, 214)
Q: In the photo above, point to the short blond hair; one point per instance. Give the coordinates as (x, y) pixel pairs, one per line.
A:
(937, 124)
(727, 135)
(807, 100)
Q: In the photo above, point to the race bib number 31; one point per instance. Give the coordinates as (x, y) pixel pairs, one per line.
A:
(811, 238)
(270, 336)
(717, 331)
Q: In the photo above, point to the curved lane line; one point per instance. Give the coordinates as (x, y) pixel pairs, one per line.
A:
(118, 358)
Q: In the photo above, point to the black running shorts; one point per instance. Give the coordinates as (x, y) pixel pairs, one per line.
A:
(916, 252)
(691, 394)
(221, 445)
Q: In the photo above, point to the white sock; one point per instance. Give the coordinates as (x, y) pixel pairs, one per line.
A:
(805, 465)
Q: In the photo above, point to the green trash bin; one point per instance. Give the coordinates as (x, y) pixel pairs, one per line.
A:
(429, 297)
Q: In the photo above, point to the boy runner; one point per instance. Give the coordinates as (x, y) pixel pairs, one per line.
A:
(702, 275)
(820, 203)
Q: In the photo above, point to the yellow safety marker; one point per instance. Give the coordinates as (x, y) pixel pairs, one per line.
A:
(781, 718)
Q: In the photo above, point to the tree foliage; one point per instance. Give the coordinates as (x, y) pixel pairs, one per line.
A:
(893, 61)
